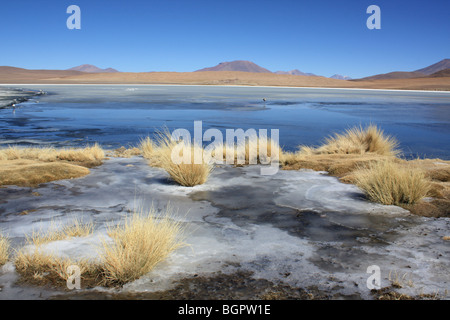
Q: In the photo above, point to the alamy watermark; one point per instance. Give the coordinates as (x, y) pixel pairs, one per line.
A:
(374, 21)
(74, 277)
(74, 20)
(374, 280)
(240, 147)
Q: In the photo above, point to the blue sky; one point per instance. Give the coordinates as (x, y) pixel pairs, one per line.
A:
(322, 37)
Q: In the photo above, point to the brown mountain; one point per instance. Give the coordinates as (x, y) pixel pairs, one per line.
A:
(395, 75)
(92, 69)
(19, 75)
(237, 65)
(441, 65)
(442, 73)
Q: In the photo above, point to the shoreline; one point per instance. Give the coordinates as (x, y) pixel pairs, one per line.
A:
(218, 85)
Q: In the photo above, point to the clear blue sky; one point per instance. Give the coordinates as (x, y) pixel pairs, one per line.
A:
(323, 37)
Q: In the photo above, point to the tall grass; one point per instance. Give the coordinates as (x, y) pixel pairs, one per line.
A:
(147, 147)
(77, 228)
(89, 153)
(254, 150)
(389, 183)
(43, 267)
(162, 152)
(357, 140)
(138, 246)
(4, 249)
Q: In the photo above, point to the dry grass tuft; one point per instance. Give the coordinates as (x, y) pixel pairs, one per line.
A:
(80, 155)
(389, 183)
(255, 150)
(4, 249)
(357, 140)
(89, 154)
(147, 146)
(33, 166)
(32, 173)
(56, 232)
(41, 267)
(123, 152)
(162, 153)
(138, 245)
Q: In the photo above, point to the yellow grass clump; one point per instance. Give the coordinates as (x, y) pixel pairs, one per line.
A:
(4, 249)
(389, 183)
(32, 173)
(135, 248)
(357, 140)
(77, 228)
(255, 150)
(138, 245)
(162, 153)
(89, 153)
(147, 147)
(33, 166)
(37, 266)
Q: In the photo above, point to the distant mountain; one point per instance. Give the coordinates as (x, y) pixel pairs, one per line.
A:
(92, 69)
(296, 72)
(395, 75)
(237, 65)
(340, 77)
(441, 65)
(442, 73)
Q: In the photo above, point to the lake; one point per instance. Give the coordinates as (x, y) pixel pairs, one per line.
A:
(120, 115)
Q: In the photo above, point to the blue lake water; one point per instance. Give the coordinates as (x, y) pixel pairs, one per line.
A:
(120, 115)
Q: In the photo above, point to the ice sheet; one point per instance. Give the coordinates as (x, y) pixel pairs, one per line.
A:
(303, 228)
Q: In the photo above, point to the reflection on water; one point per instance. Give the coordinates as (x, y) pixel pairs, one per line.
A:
(121, 115)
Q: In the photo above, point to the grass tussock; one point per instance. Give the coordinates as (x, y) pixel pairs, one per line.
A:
(356, 140)
(29, 173)
(185, 169)
(77, 228)
(196, 166)
(138, 246)
(369, 158)
(33, 166)
(146, 147)
(40, 267)
(389, 183)
(123, 152)
(79, 155)
(255, 150)
(4, 249)
(134, 249)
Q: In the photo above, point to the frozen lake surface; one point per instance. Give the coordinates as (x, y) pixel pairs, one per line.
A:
(300, 228)
(118, 115)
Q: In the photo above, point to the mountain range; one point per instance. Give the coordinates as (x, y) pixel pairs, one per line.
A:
(91, 69)
(440, 69)
(433, 69)
(248, 66)
(296, 72)
(237, 65)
